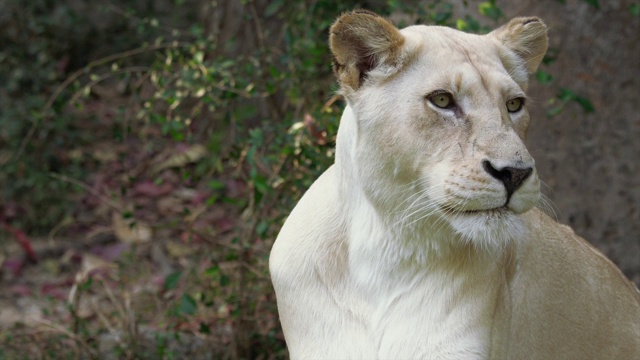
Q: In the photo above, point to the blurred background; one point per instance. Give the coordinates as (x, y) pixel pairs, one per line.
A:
(150, 151)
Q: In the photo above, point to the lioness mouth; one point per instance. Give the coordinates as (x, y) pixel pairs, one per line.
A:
(498, 211)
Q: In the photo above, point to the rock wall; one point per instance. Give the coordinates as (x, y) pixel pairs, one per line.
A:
(590, 161)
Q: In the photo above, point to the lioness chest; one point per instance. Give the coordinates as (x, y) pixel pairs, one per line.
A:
(393, 322)
(366, 309)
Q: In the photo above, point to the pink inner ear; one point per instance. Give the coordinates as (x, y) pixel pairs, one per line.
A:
(364, 66)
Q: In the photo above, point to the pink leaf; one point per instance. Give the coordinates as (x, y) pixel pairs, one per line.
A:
(148, 188)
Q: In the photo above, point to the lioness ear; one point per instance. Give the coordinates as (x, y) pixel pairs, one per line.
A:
(527, 37)
(360, 41)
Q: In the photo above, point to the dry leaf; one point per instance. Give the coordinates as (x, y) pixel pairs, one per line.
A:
(313, 129)
(190, 155)
(91, 263)
(178, 250)
(129, 230)
(52, 266)
(169, 205)
(10, 316)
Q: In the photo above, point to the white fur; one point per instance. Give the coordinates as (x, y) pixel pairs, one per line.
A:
(406, 247)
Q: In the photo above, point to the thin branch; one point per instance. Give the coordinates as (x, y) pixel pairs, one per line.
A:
(95, 193)
(96, 307)
(114, 301)
(255, 271)
(94, 82)
(256, 20)
(211, 238)
(279, 113)
(107, 59)
(65, 222)
(124, 14)
(69, 334)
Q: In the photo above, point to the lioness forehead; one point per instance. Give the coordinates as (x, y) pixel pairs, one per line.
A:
(446, 36)
(444, 47)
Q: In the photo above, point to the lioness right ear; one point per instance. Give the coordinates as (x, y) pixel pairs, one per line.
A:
(527, 38)
(360, 41)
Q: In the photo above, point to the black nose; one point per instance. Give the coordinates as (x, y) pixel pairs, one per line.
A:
(511, 177)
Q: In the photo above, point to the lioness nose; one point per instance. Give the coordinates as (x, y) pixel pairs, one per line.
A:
(511, 177)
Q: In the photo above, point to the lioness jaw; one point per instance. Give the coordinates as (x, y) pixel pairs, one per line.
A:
(424, 240)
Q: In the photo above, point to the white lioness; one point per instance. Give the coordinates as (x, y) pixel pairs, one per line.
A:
(423, 241)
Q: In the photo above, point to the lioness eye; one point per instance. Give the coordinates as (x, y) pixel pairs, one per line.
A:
(442, 100)
(514, 105)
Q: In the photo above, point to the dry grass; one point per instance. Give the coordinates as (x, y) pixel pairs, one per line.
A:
(161, 299)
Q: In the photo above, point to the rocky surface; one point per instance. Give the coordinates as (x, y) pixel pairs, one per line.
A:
(589, 161)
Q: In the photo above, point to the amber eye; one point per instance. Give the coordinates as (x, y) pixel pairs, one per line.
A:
(515, 105)
(442, 99)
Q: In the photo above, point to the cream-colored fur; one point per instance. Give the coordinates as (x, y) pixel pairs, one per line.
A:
(411, 246)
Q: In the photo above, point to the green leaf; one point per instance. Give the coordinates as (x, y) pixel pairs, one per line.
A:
(212, 271)
(544, 77)
(551, 56)
(585, 103)
(171, 281)
(216, 185)
(555, 111)
(256, 136)
(211, 200)
(473, 25)
(443, 15)
(461, 25)
(198, 57)
(490, 10)
(187, 305)
(262, 228)
(224, 280)
(566, 95)
(273, 7)
(261, 184)
(86, 285)
(634, 9)
(204, 329)
(593, 3)
(394, 5)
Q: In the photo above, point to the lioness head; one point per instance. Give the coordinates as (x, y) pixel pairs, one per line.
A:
(433, 132)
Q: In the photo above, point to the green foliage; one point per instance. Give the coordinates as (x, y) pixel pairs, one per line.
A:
(544, 77)
(490, 10)
(41, 42)
(171, 281)
(566, 96)
(28, 71)
(187, 305)
(593, 3)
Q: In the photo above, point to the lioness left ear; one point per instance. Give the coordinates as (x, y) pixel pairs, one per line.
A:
(361, 41)
(527, 38)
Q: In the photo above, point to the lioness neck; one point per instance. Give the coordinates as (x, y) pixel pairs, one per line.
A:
(462, 285)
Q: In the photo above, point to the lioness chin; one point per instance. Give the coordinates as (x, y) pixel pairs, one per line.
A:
(424, 240)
